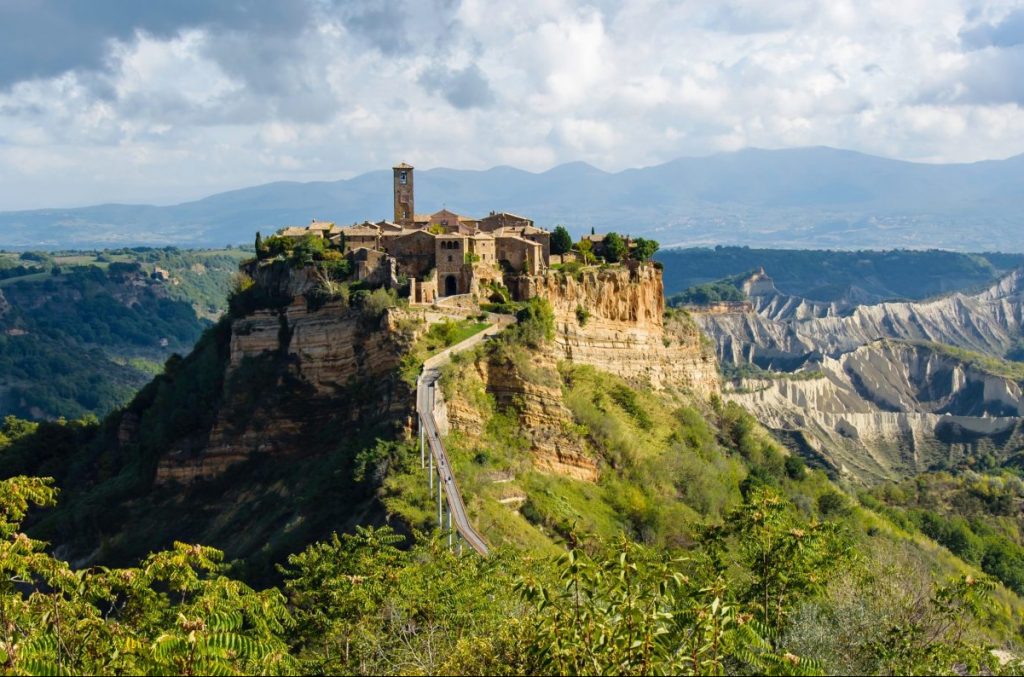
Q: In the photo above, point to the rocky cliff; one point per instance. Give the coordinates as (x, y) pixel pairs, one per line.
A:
(614, 319)
(784, 330)
(889, 409)
(533, 393)
(290, 371)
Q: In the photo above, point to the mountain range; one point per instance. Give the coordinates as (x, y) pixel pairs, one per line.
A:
(806, 197)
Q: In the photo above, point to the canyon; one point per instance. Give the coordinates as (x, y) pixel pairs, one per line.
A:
(872, 392)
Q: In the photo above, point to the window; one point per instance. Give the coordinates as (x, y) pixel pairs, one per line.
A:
(449, 258)
(403, 177)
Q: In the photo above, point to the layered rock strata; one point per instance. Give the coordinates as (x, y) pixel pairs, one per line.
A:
(292, 372)
(614, 319)
(889, 409)
(783, 331)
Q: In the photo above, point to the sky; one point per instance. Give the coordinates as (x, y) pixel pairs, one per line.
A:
(161, 102)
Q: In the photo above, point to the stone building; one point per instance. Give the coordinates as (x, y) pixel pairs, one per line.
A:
(443, 253)
(355, 237)
(404, 197)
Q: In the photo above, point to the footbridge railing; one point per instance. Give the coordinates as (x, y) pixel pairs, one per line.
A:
(436, 462)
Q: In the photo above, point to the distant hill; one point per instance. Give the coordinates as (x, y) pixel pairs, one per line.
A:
(807, 197)
(844, 277)
(81, 332)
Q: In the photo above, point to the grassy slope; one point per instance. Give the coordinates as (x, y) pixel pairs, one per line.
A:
(670, 465)
(987, 363)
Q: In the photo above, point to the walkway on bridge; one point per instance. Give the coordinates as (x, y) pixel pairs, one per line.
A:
(447, 487)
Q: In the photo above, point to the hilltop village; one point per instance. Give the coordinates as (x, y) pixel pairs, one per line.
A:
(445, 254)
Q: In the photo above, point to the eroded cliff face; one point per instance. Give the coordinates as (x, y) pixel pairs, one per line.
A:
(784, 330)
(890, 409)
(533, 393)
(290, 373)
(889, 402)
(613, 319)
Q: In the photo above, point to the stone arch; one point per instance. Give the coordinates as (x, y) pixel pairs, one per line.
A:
(451, 286)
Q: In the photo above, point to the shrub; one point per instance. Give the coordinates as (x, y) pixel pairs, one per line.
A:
(626, 398)
(308, 249)
(795, 467)
(582, 315)
(644, 249)
(374, 303)
(573, 269)
(536, 323)
(276, 245)
(339, 269)
(832, 504)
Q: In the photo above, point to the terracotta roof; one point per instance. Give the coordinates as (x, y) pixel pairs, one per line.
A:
(402, 166)
(293, 231)
(415, 231)
(321, 225)
(510, 214)
(446, 212)
(519, 230)
(529, 243)
(356, 231)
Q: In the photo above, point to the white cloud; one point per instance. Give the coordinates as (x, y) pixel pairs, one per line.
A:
(181, 113)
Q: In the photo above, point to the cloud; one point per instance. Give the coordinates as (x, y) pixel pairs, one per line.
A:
(1007, 32)
(463, 88)
(161, 101)
(382, 25)
(46, 38)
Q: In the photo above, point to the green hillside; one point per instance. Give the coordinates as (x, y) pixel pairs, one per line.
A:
(702, 547)
(83, 331)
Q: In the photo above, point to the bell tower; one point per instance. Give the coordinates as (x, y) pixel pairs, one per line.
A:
(404, 206)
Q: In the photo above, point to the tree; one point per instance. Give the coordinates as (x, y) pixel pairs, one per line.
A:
(561, 241)
(259, 246)
(586, 250)
(615, 249)
(785, 559)
(644, 249)
(308, 249)
(174, 614)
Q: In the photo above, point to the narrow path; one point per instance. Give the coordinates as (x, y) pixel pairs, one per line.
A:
(425, 410)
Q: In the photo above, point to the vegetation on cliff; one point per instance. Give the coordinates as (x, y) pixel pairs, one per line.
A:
(727, 290)
(636, 531)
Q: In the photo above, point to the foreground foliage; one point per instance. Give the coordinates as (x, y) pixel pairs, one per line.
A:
(361, 604)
